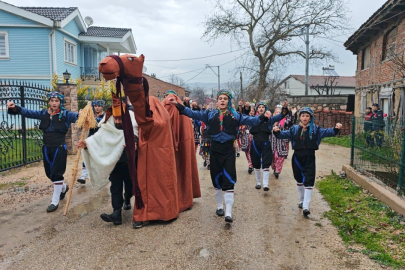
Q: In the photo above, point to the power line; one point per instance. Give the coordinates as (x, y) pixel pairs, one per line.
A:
(195, 70)
(195, 75)
(384, 20)
(195, 58)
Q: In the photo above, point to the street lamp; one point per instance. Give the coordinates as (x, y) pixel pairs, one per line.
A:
(66, 76)
(158, 94)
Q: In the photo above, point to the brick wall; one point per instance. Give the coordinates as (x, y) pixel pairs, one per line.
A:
(156, 85)
(329, 118)
(70, 93)
(319, 102)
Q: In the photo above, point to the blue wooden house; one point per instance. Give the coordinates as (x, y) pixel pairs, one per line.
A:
(36, 42)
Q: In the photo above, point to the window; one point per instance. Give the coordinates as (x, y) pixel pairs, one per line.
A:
(366, 58)
(4, 45)
(70, 52)
(389, 44)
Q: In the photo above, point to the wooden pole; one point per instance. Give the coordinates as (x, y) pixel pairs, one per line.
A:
(86, 121)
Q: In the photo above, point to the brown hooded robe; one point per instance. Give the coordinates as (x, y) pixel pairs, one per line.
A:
(188, 183)
(156, 174)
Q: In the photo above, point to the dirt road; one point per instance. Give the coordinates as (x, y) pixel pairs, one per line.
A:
(269, 232)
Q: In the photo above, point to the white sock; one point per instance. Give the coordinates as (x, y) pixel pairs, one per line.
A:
(84, 173)
(307, 197)
(301, 190)
(229, 195)
(218, 197)
(266, 176)
(258, 176)
(64, 187)
(57, 189)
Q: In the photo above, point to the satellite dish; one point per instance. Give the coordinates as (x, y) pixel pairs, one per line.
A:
(88, 20)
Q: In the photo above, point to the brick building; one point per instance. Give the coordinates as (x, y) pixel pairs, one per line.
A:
(380, 45)
(157, 86)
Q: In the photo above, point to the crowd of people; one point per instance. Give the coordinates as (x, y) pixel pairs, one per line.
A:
(216, 132)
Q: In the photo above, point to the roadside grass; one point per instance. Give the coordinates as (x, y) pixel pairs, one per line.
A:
(12, 184)
(362, 219)
(12, 154)
(344, 140)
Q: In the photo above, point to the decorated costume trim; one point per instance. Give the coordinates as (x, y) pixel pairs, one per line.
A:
(55, 94)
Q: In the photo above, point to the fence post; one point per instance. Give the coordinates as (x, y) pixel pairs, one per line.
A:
(402, 164)
(23, 127)
(352, 141)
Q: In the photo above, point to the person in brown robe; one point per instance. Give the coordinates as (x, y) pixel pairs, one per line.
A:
(156, 174)
(188, 183)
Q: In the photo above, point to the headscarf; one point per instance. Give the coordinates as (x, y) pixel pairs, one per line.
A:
(98, 102)
(61, 97)
(230, 110)
(257, 107)
(311, 122)
(172, 92)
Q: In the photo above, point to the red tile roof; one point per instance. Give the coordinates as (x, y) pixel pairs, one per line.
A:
(342, 81)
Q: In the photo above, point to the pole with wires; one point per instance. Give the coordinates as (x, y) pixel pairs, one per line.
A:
(307, 59)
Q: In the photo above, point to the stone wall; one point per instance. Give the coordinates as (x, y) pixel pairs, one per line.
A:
(317, 102)
(329, 118)
(70, 93)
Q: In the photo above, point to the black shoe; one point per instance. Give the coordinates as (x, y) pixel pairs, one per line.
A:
(306, 212)
(220, 212)
(277, 175)
(266, 189)
(127, 204)
(51, 208)
(300, 205)
(250, 170)
(205, 163)
(228, 219)
(258, 186)
(208, 167)
(81, 181)
(63, 194)
(115, 217)
(237, 155)
(138, 225)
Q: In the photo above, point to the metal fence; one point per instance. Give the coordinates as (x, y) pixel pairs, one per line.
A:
(378, 149)
(20, 137)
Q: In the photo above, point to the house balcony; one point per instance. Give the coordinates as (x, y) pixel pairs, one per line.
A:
(90, 73)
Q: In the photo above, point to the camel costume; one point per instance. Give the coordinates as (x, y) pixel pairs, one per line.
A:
(188, 183)
(156, 174)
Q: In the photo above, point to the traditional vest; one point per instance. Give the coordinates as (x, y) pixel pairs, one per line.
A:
(230, 125)
(261, 132)
(54, 129)
(306, 142)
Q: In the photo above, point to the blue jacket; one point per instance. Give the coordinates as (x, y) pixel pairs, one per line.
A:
(210, 114)
(293, 132)
(71, 117)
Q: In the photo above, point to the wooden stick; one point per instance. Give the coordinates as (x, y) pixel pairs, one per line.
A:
(86, 121)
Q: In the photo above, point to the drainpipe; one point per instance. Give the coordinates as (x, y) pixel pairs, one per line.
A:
(50, 52)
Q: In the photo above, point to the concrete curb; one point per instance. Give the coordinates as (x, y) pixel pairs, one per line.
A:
(381, 193)
(90, 204)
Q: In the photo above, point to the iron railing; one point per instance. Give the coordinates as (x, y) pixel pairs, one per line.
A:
(378, 149)
(90, 73)
(20, 137)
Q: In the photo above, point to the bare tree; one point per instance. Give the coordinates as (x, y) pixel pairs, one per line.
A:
(198, 94)
(328, 87)
(270, 29)
(176, 80)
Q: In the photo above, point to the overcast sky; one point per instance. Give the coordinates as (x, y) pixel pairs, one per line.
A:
(172, 29)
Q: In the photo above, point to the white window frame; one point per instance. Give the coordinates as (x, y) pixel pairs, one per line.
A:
(74, 44)
(7, 55)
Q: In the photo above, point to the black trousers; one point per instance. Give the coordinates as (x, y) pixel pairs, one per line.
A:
(304, 167)
(261, 154)
(120, 179)
(55, 158)
(222, 165)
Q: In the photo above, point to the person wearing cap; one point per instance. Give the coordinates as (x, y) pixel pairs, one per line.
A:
(368, 125)
(98, 105)
(305, 139)
(261, 151)
(54, 122)
(222, 126)
(378, 125)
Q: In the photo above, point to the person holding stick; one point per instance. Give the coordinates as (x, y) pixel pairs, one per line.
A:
(54, 122)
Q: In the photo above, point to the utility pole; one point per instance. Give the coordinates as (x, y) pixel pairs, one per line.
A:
(219, 81)
(241, 89)
(307, 59)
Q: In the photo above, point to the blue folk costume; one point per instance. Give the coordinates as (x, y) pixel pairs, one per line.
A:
(222, 128)
(96, 102)
(260, 151)
(55, 125)
(305, 140)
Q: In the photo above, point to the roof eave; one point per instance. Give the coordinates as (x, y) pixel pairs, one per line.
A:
(75, 15)
(26, 14)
